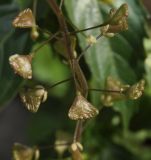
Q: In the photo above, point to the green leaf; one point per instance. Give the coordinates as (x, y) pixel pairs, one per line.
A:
(48, 69)
(110, 57)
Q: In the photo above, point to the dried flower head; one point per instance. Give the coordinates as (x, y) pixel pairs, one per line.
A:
(81, 109)
(135, 91)
(25, 19)
(118, 91)
(33, 97)
(112, 85)
(22, 152)
(117, 22)
(21, 65)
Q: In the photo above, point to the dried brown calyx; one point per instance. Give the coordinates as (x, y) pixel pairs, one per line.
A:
(118, 91)
(22, 152)
(33, 97)
(25, 19)
(21, 65)
(81, 109)
(117, 22)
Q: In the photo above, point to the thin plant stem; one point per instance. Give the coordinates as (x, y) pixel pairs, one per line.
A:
(89, 28)
(70, 54)
(35, 8)
(78, 131)
(105, 90)
(54, 145)
(58, 83)
(88, 46)
(61, 4)
(45, 42)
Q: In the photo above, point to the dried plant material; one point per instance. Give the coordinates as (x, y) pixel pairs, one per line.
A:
(104, 31)
(21, 65)
(112, 85)
(136, 90)
(34, 33)
(91, 40)
(81, 109)
(117, 22)
(60, 147)
(117, 16)
(75, 152)
(79, 78)
(22, 152)
(62, 142)
(33, 97)
(25, 19)
(118, 91)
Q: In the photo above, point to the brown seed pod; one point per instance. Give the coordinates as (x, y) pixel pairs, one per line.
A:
(22, 152)
(117, 22)
(33, 97)
(119, 91)
(136, 90)
(21, 65)
(25, 19)
(81, 109)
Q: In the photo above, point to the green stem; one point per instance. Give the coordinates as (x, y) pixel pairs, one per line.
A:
(58, 83)
(105, 90)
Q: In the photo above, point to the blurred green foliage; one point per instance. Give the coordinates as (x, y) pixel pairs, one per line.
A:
(121, 132)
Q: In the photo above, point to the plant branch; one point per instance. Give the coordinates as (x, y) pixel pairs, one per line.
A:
(78, 131)
(89, 28)
(35, 8)
(58, 83)
(54, 145)
(61, 4)
(105, 90)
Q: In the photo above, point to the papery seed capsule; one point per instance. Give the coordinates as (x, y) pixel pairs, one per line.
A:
(81, 109)
(22, 152)
(136, 90)
(25, 19)
(33, 97)
(21, 65)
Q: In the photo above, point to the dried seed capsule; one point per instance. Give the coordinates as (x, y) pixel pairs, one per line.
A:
(33, 97)
(81, 109)
(25, 19)
(118, 15)
(117, 22)
(119, 91)
(22, 152)
(136, 90)
(21, 65)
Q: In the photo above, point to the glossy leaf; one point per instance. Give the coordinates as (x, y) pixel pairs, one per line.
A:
(110, 57)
